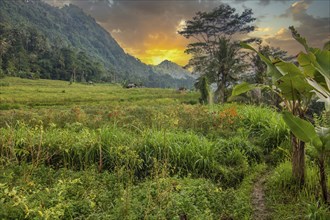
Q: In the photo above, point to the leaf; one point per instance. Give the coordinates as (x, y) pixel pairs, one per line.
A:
(302, 129)
(319, 59)
(285, 67)
(294, 86)
(271, 69)
(322, 62)
(245, 87)
(322, 93)
(305, 62)
(299, 38)
(242, 88)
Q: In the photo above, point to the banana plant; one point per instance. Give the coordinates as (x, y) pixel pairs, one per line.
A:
(296, 85)
(319, 137)
(316, 67)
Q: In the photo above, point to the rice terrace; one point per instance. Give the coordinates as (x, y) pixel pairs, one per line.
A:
(202, 110)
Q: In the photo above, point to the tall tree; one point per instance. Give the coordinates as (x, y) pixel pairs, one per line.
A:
(213, 52)
(70, 61)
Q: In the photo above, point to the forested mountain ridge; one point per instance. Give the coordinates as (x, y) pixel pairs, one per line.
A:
(65, 43)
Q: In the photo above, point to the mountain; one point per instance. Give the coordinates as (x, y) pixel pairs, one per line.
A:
(172, 69)
(73, 35)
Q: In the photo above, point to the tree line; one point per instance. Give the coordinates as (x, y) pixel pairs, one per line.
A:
(27, 53)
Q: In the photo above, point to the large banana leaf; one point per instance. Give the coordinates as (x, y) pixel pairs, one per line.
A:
(302, 129)
(321, 61)
(291, 80)
(293, 86)
(285, 67)
(305, 62)
(245, 87)
(316, 65)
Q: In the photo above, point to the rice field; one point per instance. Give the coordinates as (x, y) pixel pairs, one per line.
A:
(104, 152)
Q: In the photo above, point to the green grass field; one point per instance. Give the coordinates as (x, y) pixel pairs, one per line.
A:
(103, 152)
(24, 93)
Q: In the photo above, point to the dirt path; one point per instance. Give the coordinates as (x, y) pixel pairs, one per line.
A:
(258, 199)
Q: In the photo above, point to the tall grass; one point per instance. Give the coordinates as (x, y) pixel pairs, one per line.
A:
(79, 151)
(78, 148)
(287, 200)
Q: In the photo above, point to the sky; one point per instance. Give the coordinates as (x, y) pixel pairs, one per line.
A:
(147, 29)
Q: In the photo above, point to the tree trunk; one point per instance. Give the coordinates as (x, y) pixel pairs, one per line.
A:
(183, 217)
(298, 160)
(323, 179)
(219, 96)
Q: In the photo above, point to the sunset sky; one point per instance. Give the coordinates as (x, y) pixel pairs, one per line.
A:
(147, 29)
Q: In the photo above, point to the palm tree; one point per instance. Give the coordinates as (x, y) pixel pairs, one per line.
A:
(224, 67)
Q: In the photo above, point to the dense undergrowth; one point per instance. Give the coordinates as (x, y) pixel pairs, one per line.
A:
(104, 152)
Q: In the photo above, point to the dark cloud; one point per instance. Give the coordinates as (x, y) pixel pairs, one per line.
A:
(315, 29)
(147, 27)
(261, 2)
(267, 2)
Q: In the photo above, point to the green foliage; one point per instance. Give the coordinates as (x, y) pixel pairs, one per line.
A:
(262, 81)
(302, 129)
(37, 58)
(316, 210)
(245, 87)
(289, 80)
(49, 194)
(314, 63)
